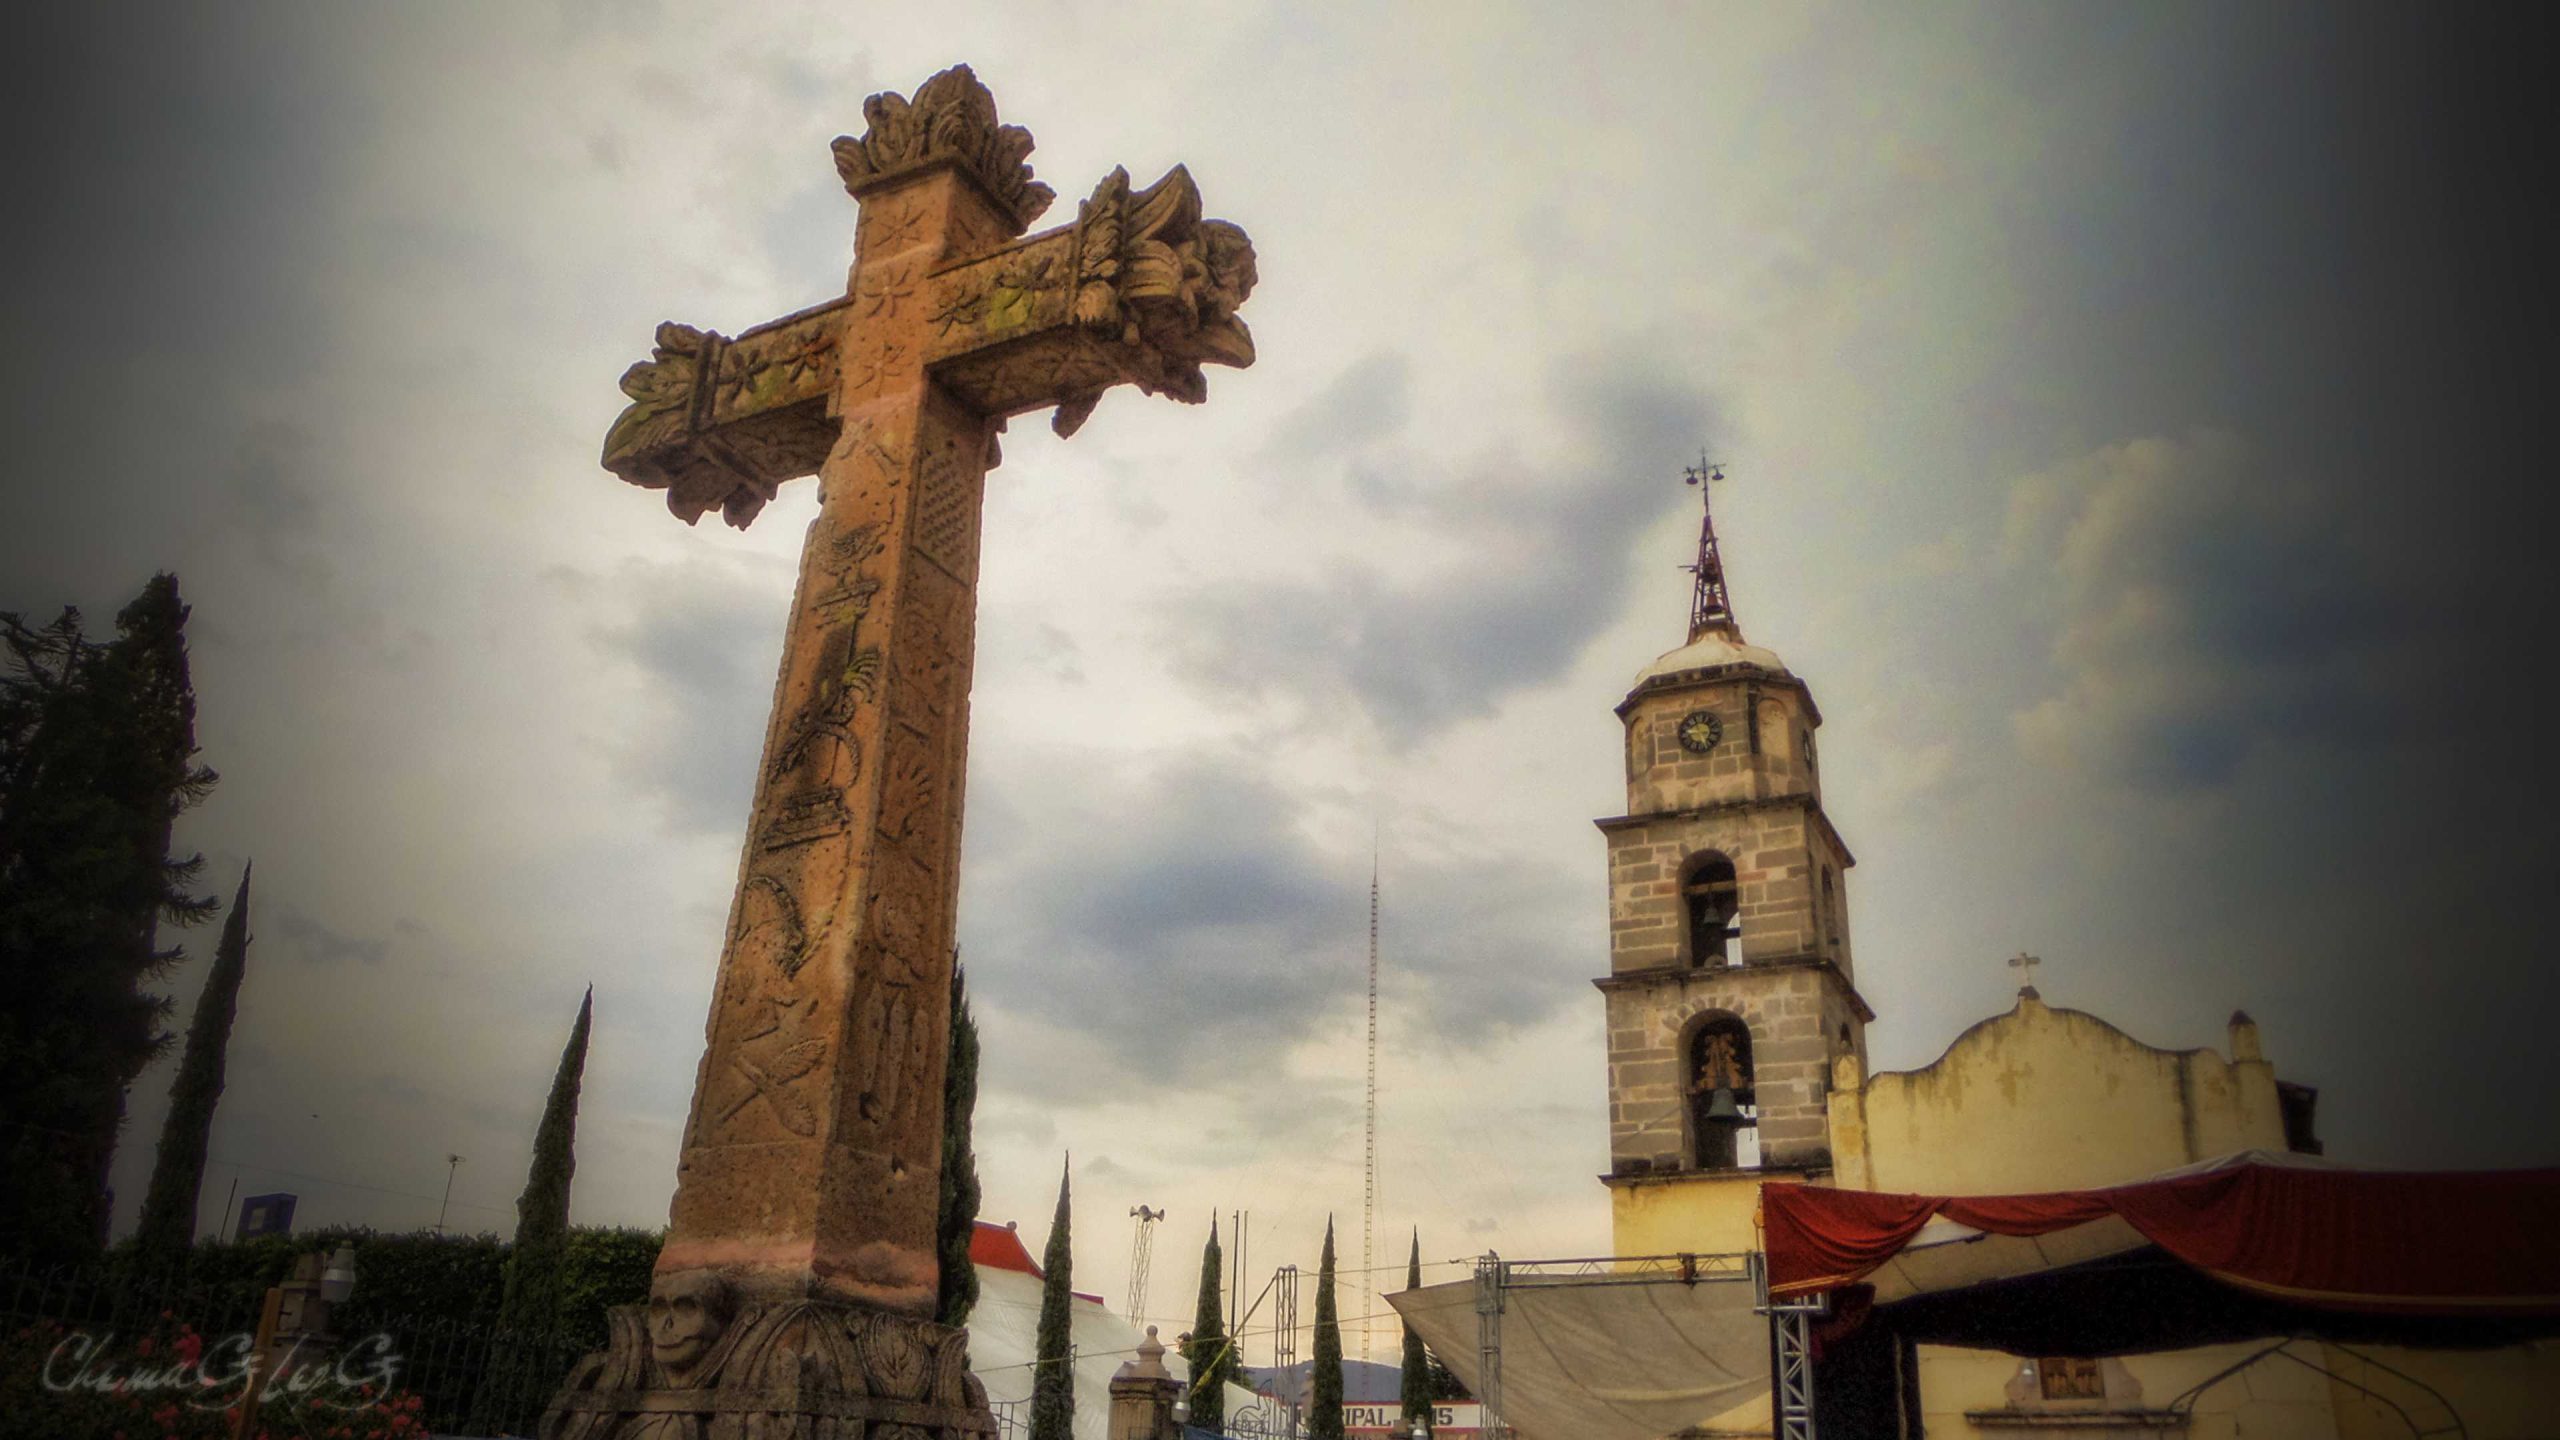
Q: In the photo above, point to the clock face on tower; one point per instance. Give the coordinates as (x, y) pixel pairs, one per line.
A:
(1699, 731)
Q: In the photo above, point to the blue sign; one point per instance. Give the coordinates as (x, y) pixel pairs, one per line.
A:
(266, 1215)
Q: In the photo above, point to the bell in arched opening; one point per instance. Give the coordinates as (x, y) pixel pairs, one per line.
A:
(1721, 1102)
(1712, 899)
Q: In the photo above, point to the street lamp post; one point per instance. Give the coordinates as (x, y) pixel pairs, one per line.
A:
(450, 1163)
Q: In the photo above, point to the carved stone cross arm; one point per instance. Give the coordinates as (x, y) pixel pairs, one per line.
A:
(1140, 290)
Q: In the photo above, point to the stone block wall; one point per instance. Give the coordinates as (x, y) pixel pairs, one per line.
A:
(1780, 852)
(1766, 749)
(1795, 1015)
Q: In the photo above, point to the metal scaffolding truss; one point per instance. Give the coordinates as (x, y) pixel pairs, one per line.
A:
(1790, 1329)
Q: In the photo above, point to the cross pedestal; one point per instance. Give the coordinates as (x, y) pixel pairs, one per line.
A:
(795, 1292)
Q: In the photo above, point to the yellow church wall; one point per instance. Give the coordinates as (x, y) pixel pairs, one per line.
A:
(2272, 1400)
(1688, 1214)
(2047, 1099)
(2509, 1394)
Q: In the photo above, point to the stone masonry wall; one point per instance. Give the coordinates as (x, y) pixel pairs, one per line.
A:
(1764, 750)
(1773, 864)
(1793, 1015)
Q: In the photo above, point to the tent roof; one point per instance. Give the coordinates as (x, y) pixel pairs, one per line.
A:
(2452, 1243)
(2251, 1244)
(1610, 1355)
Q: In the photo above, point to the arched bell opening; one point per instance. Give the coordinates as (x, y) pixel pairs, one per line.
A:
(1711, 900)
(1723, 1110)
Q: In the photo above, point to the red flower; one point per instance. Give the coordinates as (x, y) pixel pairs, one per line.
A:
(190, 1347)
(142, 1346)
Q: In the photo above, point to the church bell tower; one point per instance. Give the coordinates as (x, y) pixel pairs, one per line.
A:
(1731, 989)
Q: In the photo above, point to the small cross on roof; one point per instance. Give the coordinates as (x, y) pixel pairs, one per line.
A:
(2025, 964)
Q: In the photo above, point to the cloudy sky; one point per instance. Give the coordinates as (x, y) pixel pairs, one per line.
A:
(2131, 423)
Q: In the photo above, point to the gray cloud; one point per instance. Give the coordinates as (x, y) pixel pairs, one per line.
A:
(1511, 568)
(2210, 606)
(1368, 402)
(706, 640)
(1177, 914)
(316, 942)
(1171, 920)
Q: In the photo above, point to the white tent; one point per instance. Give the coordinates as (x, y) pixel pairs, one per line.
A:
(1610, 1354)
(1004, 1334)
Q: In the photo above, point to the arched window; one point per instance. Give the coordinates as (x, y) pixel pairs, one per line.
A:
(1722, 1107)
(1771, 729)
(1712, 900)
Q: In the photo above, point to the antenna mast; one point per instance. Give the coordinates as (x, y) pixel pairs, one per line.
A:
(1709, 609)
(1141, 1256)
(1369, 1174)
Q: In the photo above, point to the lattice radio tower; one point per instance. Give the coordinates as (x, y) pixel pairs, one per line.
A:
(1369, 1170)
(1709, 610)
(1141, 1255)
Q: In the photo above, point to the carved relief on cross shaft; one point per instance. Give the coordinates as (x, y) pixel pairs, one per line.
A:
(866, 375)
(822, 748)
(888, 1038)
(885, 290)
(909, 791)
(868, 455)
(888, 225)
(769, 937)
(894, 1014)
(818, 752)
(767, 1071)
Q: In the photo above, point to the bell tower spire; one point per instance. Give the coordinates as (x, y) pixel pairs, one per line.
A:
(1710, 611)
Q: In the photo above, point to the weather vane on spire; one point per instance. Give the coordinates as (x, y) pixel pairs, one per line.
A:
(1709, 610)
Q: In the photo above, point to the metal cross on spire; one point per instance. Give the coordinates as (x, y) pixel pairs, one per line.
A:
(1709, 609)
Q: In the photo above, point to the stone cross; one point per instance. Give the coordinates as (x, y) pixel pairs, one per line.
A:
(2025, 964)
(811, 1158)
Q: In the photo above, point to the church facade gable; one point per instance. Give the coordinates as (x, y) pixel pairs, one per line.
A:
(2051, 1099)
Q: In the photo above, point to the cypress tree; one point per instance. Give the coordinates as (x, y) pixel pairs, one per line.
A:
(97, 761)
(1415, 1391)
(530, 1303)
(531, 1300)
(959, 1202)
(1053, 1385)
(1324, 1406)
(1213, 1361)
(169, 1211)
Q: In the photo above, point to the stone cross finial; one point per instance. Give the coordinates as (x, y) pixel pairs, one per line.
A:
(2025, 964)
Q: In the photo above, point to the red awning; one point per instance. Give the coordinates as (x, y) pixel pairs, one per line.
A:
(2477, 1243)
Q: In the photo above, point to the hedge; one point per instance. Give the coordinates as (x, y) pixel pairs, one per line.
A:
(423, 1278)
